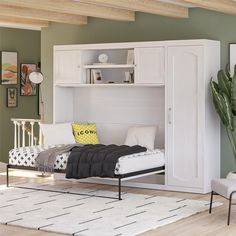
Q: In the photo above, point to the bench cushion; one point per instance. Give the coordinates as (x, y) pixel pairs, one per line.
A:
(224, 187)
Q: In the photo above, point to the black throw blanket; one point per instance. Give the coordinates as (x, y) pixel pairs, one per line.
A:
(97, 160)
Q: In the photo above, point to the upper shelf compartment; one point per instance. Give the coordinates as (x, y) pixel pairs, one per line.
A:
(129, 65)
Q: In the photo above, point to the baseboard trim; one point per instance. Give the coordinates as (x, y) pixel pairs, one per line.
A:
(3, 165)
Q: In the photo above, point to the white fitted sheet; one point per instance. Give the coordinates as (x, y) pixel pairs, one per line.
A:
(136, 162)
(140, 161)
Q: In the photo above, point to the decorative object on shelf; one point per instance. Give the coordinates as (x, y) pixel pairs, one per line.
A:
(27, 88)
(103, 58)
(224, 99)
(132, 77)
(96, 76)
(130, 57)
(8, 67)
(12, 97)
(127, 77)
(37, 77)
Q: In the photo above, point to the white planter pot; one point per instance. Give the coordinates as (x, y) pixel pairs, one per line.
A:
(231, 175)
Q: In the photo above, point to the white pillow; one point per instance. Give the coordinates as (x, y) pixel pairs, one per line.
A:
(54, 134)
(141, 135)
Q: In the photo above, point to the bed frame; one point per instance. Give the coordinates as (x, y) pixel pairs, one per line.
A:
(119, 177)
(27, 125)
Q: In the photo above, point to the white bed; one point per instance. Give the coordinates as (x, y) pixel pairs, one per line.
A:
(25, 156)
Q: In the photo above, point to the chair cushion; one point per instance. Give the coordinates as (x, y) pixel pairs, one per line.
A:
(224, 187)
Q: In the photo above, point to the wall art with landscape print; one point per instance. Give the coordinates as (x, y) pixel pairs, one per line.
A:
(27, 88)
(8, 67)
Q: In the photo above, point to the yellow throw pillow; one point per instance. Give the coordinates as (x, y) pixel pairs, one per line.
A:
(85, 133)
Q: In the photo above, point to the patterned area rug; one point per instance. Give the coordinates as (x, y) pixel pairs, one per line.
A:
(89, 215)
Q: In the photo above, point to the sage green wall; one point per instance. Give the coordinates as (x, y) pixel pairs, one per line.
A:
(201, 24)
(27, 44)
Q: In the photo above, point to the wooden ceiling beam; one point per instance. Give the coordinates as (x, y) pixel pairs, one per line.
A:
(73, 7)
(147, 6)
(20, 21)
(224, 6)
(29, 13)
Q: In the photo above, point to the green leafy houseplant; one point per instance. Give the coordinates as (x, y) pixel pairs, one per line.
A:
(224, 99)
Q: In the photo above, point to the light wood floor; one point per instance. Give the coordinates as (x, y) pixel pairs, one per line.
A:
(200, 224)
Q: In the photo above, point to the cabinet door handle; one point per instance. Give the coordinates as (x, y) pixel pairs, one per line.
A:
(78, 66)
(169, 116)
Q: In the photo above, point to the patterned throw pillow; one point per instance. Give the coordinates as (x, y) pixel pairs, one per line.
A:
(85, 133)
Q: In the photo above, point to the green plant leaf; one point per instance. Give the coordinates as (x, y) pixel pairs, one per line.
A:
(232, 141)
(227, 72)
(228, 111)
(218, 101)
(224, 99)
(233, 92)
(224, 83)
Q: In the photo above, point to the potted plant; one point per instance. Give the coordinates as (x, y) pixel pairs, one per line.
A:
(224, 99)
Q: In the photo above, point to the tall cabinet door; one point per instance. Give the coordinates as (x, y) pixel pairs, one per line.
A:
(67, 66)
(150, 64)
(185, 102)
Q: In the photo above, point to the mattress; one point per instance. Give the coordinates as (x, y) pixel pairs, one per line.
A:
(25, 156)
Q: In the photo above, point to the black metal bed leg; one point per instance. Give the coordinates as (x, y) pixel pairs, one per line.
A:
(212, 194)
(229, 210)
(7, 173)
(230, 204)
(119, 189)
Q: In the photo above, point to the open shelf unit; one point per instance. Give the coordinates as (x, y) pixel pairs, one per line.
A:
(80, 65)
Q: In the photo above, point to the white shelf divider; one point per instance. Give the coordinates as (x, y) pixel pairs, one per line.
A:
(107, 66)
(124, 85)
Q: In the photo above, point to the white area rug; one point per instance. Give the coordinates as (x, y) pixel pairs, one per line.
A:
(89, 216)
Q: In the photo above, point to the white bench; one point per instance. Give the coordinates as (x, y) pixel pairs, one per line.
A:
(225, 188)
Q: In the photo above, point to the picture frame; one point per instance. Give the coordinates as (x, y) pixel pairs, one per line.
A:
(96, 76)
(9, 67)
(232, 57)
(130, 57)
(12, 97)
(27, 88)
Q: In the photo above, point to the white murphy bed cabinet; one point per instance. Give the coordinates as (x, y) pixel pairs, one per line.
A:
(170, 90)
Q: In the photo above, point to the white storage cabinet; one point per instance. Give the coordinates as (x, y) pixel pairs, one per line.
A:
(193, 128)
(176, 74)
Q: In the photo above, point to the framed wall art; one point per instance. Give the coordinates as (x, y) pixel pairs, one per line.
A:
(130, 57)
(8, 67)
(12, 97)
(97, 76)
(27, 88)
(232, 57)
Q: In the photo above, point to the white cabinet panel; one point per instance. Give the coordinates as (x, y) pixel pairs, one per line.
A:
(184, 108)
(150, 63)
(67, 66)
